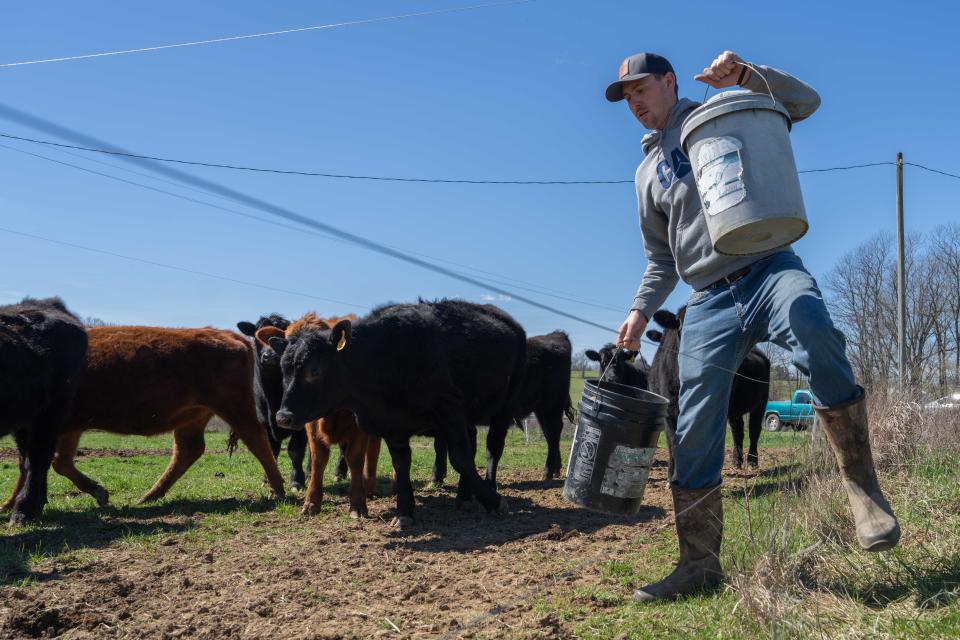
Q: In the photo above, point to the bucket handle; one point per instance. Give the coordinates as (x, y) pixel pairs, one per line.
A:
(753, 69)
(596, 401)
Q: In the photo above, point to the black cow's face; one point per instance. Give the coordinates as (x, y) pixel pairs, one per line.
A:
(268, 357)
(315, 378)
(670, 321)
(267, 379)
(608, 354)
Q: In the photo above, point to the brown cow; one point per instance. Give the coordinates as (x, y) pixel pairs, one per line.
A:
(362, 451)
(151, 380)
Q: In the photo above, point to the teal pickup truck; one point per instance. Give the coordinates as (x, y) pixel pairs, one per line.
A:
(797, 412)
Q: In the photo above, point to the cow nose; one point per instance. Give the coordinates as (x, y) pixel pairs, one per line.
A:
(284, 419)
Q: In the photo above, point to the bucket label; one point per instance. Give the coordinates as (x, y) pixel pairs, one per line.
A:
(589, 440)
(720, 174)
(627, 471)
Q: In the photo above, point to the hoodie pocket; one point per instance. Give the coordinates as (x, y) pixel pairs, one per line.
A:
(693, 242)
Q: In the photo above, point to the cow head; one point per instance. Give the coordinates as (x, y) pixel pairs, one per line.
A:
(267, 379)
(315, 376)
(621, 360)
(670, 321)
(266, 357)
(668, 339)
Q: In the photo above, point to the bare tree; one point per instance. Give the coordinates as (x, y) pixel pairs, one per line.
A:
(580, 362)
(863, 303)
(95, 322)
(946, 248)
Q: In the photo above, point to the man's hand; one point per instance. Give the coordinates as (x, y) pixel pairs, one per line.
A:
(631, 330)
(724, 71)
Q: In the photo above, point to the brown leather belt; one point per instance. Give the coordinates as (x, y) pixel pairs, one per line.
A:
(730, 278)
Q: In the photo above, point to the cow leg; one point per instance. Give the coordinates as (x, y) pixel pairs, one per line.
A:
(551, 423)
(188, 446)
(463, 460)
(401, 456)
(297, 449)
(371, 460)
(276, 443)
(496, 437)
(341, 471)
(439, 462)
(736, 427)
(356, 448)
(756, 428)
(276, 446)
(319, 454)
(244, 421)
(36, 451)
(63, 463)
(17, 487)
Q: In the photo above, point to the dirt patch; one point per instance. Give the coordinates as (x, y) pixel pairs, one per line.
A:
(331, 577)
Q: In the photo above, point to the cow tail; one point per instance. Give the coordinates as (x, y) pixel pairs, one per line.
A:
(569, 411)
(232, 442)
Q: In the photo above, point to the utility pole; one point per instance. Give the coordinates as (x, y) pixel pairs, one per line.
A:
(901, 280)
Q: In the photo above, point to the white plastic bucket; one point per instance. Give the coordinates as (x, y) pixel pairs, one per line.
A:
(739, 147)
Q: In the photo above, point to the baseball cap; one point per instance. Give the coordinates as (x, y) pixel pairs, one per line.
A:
(639, 65)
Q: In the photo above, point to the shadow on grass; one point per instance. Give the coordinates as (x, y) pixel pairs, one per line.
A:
(788, 478)
(440, 527)
(65, 531)
(932, 586)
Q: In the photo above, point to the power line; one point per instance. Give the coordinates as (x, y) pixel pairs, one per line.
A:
(847, 168)
(291, 172)
(535, 288)
(284, 213)
(346, 176)
(334, 25)
(943, 173)
(35, 122)
(176, 268)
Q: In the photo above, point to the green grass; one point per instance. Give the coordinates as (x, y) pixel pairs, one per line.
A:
(835, 590)
(217, 495)
(830, 588)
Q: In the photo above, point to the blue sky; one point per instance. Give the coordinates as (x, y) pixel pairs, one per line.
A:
(510, 92)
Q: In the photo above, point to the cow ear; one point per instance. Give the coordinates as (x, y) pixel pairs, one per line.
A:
(592, 355)
(265, 334)
(632, 355)
(278, 345)
(340, 335)
(247, 328)
(666, 319)
(655, 335)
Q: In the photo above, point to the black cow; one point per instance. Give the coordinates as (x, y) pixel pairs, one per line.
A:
(433, 368)
(268, 390)
(545, 392)
(626, 369)
(746, 395)
(42, 351)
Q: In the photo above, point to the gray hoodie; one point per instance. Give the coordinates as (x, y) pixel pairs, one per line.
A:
(675, 237)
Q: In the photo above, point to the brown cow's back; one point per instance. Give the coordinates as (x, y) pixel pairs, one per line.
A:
(139, 380)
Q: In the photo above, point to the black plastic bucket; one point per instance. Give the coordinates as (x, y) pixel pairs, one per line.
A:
(613, 447)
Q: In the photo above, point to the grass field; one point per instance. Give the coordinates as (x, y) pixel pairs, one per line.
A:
(793, 568)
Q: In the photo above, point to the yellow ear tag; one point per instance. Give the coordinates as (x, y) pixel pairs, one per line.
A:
(343, 342)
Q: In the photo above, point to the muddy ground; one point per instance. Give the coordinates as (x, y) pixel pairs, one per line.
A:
(330, 577)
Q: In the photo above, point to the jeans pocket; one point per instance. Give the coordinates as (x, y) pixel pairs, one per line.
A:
(697, 297)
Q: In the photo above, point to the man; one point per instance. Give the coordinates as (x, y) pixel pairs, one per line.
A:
(737, 302)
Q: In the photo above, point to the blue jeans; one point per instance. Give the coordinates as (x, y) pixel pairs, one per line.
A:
(779, 302)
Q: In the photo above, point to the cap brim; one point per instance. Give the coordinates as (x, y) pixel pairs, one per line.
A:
(615, 90)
